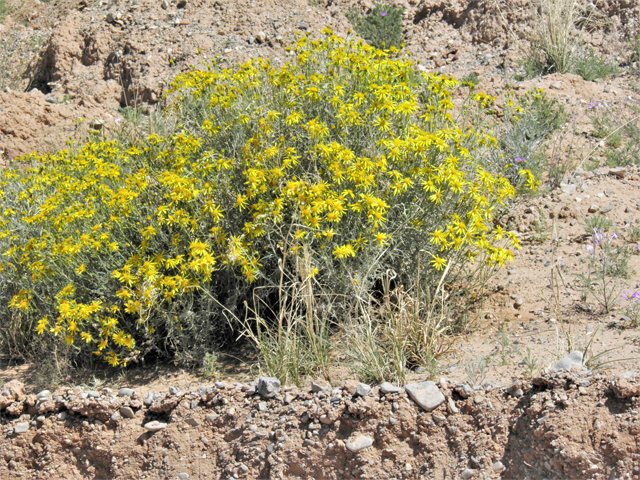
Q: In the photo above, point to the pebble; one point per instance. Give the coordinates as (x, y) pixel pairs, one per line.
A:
(268, 387)
(262, 406)
(192, 421)
(43, 395)
(439, 419)
(125, 392)
(593, 208)
(210, 418)
(261, 37)
(452, 406)
(468, 473)
(317, 388)
(498, 466)
(386, 387)
(220, 385)
(174, 391)
(183, 476)
(21, 427)
(519, 302)
(426, 394)
(363, 389)
(574, 359)
(358, 443)
(619, 172)
(116, 417)
(127, 412)
(155, 426)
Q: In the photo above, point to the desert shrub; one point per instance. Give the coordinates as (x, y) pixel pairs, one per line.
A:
(528, 122)
(381, 27)
(557, 43)
(591, 66)
(618, 128)
(322, 173)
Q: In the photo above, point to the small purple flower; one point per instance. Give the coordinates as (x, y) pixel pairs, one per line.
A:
(597, 236)
(592, 105)
(519, 160)
(629, 295)
(614, 235)
(590, 248)
(383, 14)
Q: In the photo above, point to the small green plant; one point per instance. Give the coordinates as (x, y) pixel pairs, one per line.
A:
(471, 79)
(597, 361)
(632, 307)
(381, 27)
(530, 365)
(505, 349)
(619, 128)
(5, 9)
(590, 66)
(210, 366)
(606, 125)
(528, 123)
(634, 234)
(541, 230)
(477, 369)
(634, 51)
(608, 263)
(597, 222)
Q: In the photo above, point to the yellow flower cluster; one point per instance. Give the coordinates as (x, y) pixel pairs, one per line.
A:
(347, 152)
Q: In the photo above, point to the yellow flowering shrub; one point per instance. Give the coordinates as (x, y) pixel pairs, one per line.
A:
(347, 157)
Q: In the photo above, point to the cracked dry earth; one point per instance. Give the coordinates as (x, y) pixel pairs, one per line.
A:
(69, 66)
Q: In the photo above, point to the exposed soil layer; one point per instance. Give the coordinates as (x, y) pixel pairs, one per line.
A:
(563, 425)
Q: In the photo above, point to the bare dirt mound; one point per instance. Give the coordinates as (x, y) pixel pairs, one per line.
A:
(562, 425)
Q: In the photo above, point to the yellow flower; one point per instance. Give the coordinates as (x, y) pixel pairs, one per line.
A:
(344, 251)
(438, 263)
(42, 324)
(380, 238)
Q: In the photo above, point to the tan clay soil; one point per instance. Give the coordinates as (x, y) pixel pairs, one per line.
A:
(67, 67)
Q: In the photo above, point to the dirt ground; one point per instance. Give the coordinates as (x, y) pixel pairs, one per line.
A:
(69, 67)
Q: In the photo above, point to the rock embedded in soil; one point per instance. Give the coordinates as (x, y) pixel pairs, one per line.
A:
(155, 426)
(574, 359)
(355, 444)
(426, 394)
(363, 389)
(268, 387)
(127, 412)
(468, 473)
(125, 392)
(386, 387)
(317, 387)
(43, 395)
(619, 172)
(21, 427)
